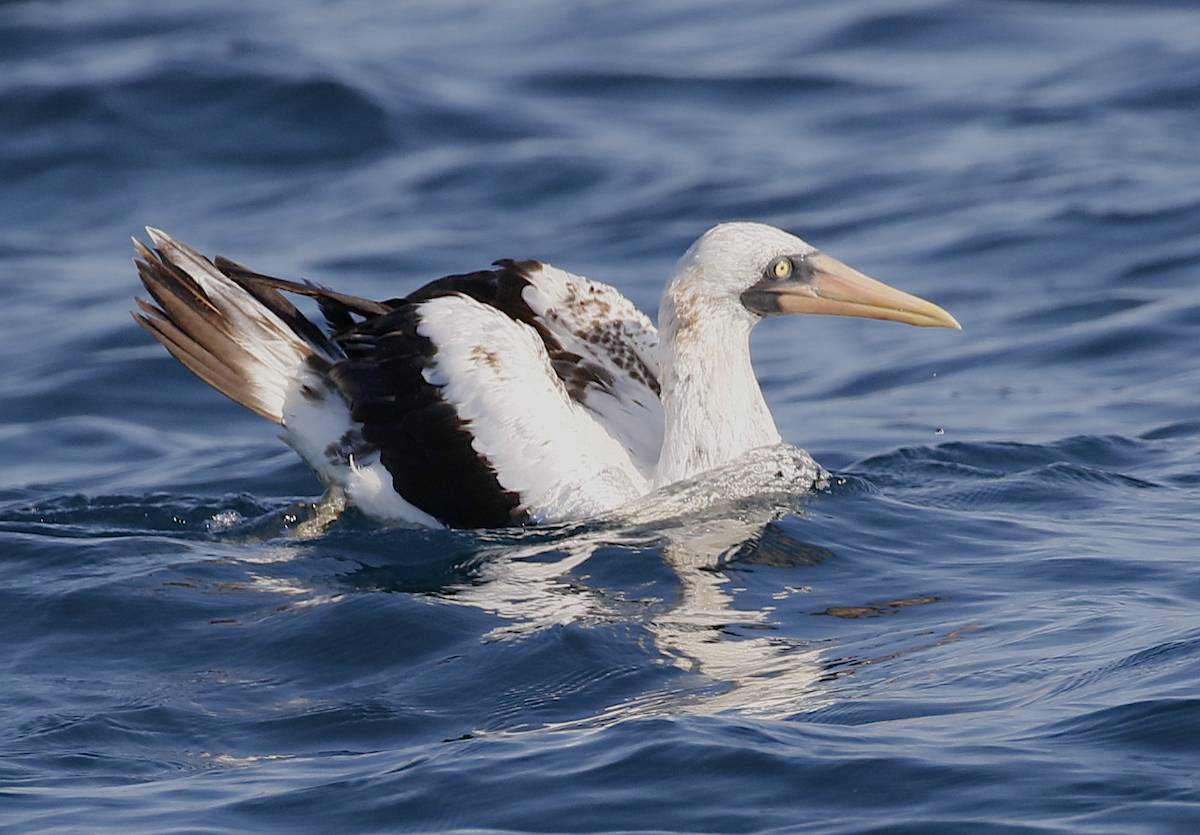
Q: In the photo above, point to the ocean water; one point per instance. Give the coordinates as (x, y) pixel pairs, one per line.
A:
(988, 622)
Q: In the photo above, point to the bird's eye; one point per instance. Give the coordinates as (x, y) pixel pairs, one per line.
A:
(780, 268)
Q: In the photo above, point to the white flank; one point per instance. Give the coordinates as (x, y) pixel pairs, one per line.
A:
(542, 444)
(317, 426)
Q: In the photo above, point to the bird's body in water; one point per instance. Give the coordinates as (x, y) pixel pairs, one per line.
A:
(515, 395)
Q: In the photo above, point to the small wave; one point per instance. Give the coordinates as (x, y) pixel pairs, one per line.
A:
(1069, 475)
(663, 86)
(80, 515)
(781, 474)
(1153, 725)
(242, 119)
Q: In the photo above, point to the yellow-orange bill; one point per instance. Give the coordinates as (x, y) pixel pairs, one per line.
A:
(839, 290)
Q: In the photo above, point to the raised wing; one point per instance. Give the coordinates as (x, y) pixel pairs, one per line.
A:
(543, 445)
(607, 353)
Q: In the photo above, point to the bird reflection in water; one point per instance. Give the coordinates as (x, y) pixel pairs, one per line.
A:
(701, 530)
(687, 546)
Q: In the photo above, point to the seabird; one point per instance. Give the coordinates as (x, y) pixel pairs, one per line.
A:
(521, 394)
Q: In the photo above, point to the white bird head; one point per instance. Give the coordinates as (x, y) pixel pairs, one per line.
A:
(750, 271)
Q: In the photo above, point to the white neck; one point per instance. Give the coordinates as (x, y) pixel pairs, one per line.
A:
(712, 403)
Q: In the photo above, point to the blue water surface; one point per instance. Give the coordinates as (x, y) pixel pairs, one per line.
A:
(988, 623)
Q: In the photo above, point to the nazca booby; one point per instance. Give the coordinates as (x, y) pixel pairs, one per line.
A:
(522, 394)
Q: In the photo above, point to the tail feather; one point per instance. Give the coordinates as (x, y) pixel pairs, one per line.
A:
(248, 342)
(258, 283)
(195, 357)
